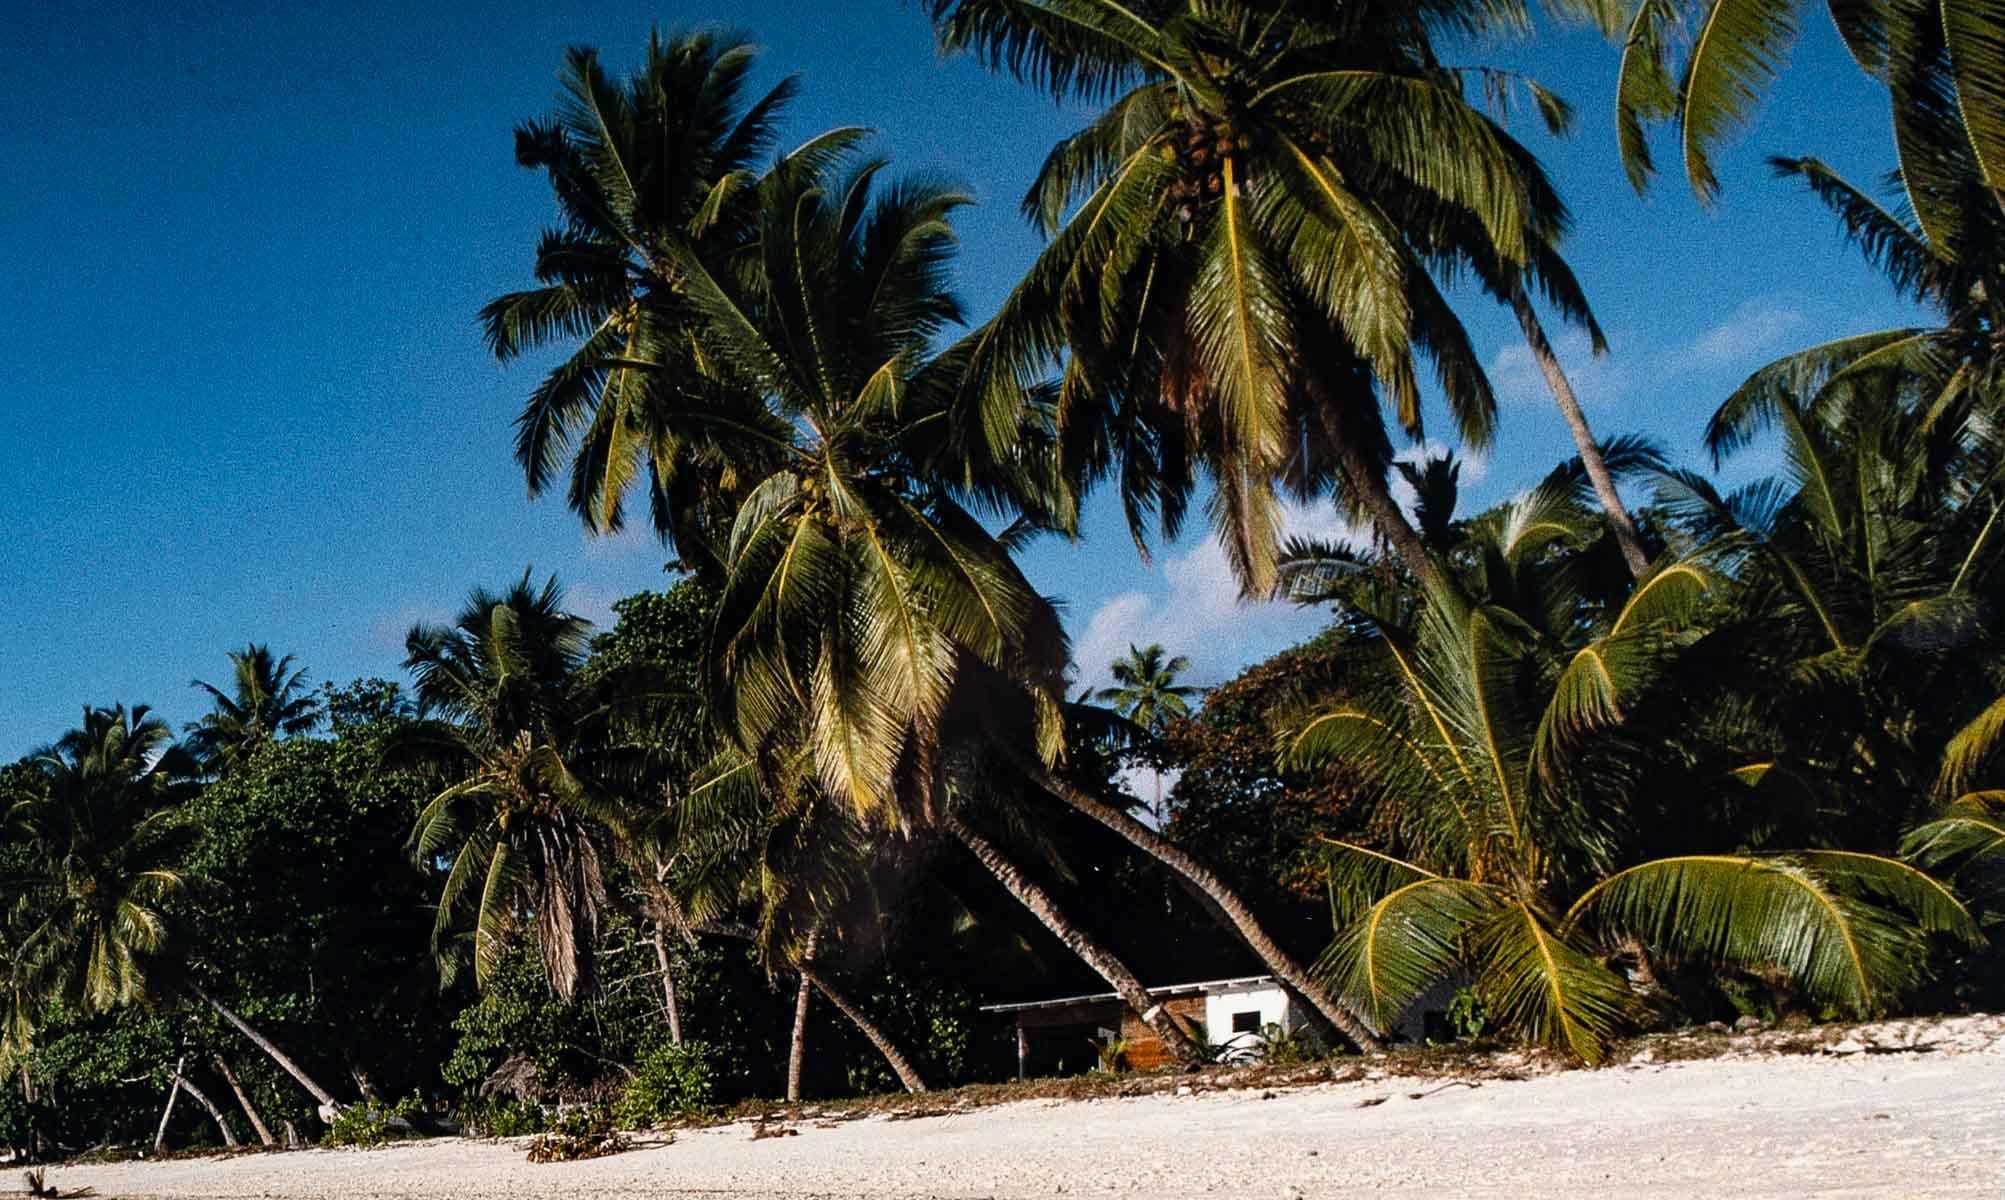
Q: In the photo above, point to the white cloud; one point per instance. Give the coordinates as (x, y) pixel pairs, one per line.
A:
(1195, 609)
(1516, 377)
(1757, 328)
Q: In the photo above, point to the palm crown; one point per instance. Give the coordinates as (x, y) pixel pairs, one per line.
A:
(266, 700)
(1253, 222)
(1145, 688)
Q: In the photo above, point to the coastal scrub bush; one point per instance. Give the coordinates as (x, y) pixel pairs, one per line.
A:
(668, 1081)
(502, 1117)
(580, 1133)
(369, 1123)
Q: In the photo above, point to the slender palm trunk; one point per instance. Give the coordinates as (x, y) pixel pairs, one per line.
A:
(215, 1113)
(669, 1002)
(1385, 514)
(167, 1113)
(1583, 437)
(244, 1100)
(1223, 901)
(1110, 968)
(264, 1043)
(797, 1051)
(900, 1065)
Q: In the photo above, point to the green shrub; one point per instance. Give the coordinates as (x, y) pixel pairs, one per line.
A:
(502, 1117)
(669, 1081)
(369, 1123)
(1275, 1046)
(1465, 1014)
(580, 1133)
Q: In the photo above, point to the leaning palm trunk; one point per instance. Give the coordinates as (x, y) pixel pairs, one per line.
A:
(797, 1050)
(215, 1113)
(1386, 517)
(1583, 437)
(285, 1063)
(244, 1099)
(1110, 968)
(901, 1066)
(167, 1113)
(1221, 899)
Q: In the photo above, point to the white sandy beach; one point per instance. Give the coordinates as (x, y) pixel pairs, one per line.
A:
(1900, 1110)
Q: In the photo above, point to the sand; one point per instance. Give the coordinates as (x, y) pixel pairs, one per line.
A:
(1913, 1109)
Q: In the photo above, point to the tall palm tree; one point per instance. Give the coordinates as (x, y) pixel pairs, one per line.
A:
(645, 170)
(1943, 62)
(92, 927)
(1145, 688)
(1504, 841)
(535, 778)
(1242, 246)
(267, 700)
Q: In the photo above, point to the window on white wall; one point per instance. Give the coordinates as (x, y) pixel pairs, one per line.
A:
(1246, 1022)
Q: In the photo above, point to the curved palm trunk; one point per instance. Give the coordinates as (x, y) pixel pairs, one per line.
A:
(1583, 437)
(797, 1051)
(1386, 516)
(244, 1100)
(900, 1065)
(1221, 899)
(263, 1043)
(215, 1114)
(1110, 968)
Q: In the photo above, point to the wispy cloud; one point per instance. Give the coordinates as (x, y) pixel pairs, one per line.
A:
(1596, 381)
(1194, 608)
(1758, 328)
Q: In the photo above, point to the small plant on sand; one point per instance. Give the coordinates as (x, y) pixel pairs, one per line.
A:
(370, 1123)
(503, 1117)
(583, 1133)
(669, 1081)
(1275, 1046)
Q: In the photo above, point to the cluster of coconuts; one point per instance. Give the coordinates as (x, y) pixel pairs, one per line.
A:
(1200, 148)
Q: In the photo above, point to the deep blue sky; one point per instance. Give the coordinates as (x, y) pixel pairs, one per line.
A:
(243, 397)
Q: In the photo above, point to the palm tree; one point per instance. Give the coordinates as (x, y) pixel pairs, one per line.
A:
(645, 171)
(93, 931)
(1252, 227)
(535, 778)
(1508, 840)
(1943, 62)
(267, 700)
(1146, 690)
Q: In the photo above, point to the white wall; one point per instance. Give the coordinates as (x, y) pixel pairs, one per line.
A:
(1219, 1007)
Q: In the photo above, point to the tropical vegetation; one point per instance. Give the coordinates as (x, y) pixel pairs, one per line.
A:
(1625, 749)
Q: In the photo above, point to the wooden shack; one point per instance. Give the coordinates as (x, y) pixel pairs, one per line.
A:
(1070, 1034)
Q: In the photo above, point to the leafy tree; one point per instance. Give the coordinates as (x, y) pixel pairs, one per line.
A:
(1242, 246)
(1942, 61)
(536, 777)
(1500, 841)
(651, 173)
(267, 700)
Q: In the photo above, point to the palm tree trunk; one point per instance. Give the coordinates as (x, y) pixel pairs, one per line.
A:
(285, 1063)
(244, 1099)
(215, 1114)
(900, 1065)
(167, 1113)
(1583, 437)
(1223, 900)
(1110, 968)
(668, 997)
(797, 1051)
(1386, 517)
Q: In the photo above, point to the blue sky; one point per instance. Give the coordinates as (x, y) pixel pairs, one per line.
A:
(243, 396)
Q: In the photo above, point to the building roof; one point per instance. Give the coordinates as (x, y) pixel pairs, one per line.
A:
(1175, 989)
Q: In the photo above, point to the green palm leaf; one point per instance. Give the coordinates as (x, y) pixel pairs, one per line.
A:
(1535, 980)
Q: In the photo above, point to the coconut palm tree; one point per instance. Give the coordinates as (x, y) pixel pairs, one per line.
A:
(91, 926)
(1507, 837)
(535, 778)
(267, 700)
(1241, 247)
(1943, 62)
(1145, 688)
(645, 170)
